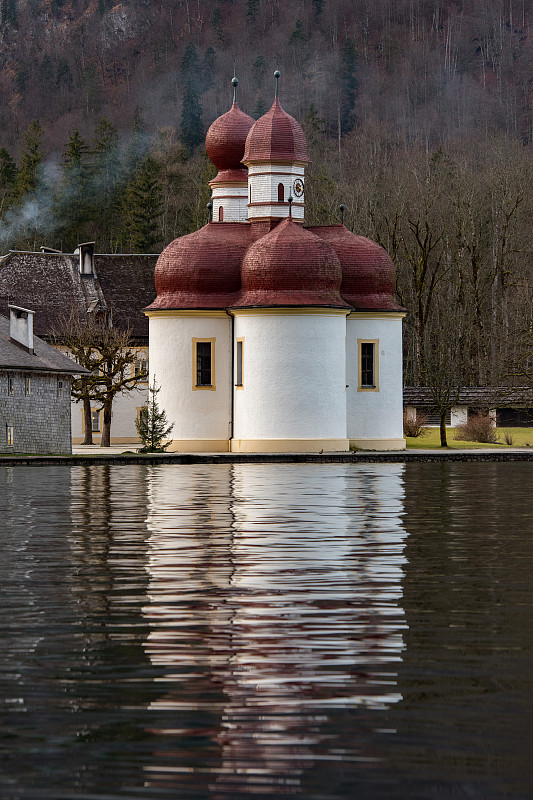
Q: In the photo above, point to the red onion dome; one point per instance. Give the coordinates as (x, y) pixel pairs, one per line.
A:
(226, 138)
(290, 266)
(202, 269)
(368, 272)
(276, 136)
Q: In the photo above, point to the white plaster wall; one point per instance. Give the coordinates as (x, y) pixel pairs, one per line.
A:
(293, 377)
(234, 200)
(459, 416)
(123, 417)
(375, 415)
(200, 414)
(264, 186)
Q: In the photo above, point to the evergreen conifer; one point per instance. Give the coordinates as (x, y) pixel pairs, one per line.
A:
(152, 425)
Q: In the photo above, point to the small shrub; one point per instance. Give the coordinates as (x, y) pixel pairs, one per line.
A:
(414, 425)
(509, 439)
(479, 428)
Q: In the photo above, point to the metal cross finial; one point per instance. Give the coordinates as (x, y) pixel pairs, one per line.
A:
(290, 199)
(210, 211)
(276, 75)
(234, 83)
(342, 207)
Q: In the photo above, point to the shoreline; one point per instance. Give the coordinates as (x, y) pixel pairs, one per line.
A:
(360, 456)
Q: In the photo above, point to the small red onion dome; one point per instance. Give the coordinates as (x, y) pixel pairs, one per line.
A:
(368, 272)
(202, 269)
(290, 266)
(226, 139)
(276, 136)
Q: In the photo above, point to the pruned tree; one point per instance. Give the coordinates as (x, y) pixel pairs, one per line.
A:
(106, 352)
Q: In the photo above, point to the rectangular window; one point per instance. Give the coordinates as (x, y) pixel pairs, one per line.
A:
(10, 386)
(95, 420)
(9, 435)
(368, 365)
(203, 364)
(59, 388)
(27, 385)
(141, 366)
(238, 366)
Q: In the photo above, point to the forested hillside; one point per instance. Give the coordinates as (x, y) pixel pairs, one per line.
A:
(418, 114)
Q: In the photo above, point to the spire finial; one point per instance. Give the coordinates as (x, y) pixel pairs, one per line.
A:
(210, 211)
(234, 83)
(290, 199)
(342, 207)
(276, 75)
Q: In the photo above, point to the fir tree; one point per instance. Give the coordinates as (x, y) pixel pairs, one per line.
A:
(8, 176)
(208, 68)
(190, 66)
(152, 425)
(106, 165)
(216, 22)
(259, 70)
(143, 207)
(28, 174)
(260, 107)
(72, 205)
(192, 129)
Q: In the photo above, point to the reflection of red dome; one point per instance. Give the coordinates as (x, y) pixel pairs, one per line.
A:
(226, 138)
(276, 136)
(203, 269)
(290, 267)
(368, 273)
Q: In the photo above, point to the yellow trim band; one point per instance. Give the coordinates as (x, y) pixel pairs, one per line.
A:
(303, 311)
(170, 312)
(377, 314)
(288, 445)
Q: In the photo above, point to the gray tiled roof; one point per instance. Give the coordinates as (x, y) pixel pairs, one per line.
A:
(51, 285)
(43, 359)
(473, 396)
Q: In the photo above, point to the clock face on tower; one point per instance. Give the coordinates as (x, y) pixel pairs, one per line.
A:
(298, 187)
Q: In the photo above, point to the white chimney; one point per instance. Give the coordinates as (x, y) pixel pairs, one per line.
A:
(21, 327)
(86, 253)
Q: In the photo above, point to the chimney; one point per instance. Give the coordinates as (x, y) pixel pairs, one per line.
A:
(21, 327)
(86, 253)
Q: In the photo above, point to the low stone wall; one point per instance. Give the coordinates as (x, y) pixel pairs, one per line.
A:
(389, 457)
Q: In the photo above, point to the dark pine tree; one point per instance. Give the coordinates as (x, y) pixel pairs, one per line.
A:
(32, 156)
(143, 207)
(8, 176)
(72, 202)
(191, 129)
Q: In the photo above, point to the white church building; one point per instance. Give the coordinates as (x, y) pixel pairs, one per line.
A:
(267, 336)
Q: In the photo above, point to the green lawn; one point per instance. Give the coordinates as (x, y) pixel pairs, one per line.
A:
(522, 437)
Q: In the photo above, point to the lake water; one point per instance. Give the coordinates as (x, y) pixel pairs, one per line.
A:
(229, 631)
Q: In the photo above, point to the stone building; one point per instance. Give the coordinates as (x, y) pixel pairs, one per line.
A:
(34, 389)
(54, 283)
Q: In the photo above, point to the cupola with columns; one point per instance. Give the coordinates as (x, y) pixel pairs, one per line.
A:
(276, 155)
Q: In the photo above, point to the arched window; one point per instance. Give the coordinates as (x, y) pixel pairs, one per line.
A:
(281, 193)
(220, 214)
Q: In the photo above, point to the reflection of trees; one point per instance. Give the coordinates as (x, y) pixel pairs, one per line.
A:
(273, 603)
(468, 607)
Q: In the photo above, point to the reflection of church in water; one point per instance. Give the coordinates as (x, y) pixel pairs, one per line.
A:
(274, 602)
